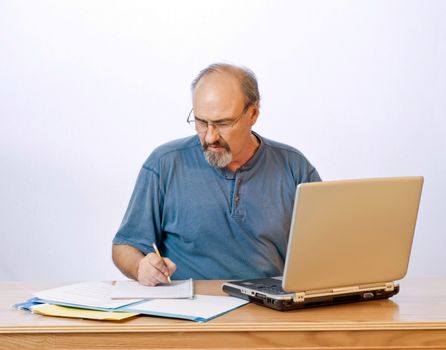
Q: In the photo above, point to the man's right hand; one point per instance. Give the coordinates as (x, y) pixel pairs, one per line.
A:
(153, 270)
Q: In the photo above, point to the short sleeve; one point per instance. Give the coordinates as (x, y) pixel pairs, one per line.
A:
(313, 175)
(141, 225)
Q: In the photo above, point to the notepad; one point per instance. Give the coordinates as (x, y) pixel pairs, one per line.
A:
(93, 295)
(134, 290)
(200, 308)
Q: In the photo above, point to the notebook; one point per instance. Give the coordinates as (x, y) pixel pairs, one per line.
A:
(349, 241)
(134, 290)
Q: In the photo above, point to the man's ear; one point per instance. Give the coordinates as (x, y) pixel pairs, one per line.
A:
(254, 113)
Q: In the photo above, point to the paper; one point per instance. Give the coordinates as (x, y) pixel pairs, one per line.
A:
(173, 290)
(201, 308)
(94, 295)
(64, 311)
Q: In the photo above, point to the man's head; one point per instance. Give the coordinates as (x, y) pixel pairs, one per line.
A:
(225, 107)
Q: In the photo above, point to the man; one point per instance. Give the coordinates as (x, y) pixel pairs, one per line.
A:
(217, 204)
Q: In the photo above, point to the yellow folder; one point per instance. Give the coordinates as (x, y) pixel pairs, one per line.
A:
(65, 311)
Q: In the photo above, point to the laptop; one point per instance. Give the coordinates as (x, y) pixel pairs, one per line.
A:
(349, 241)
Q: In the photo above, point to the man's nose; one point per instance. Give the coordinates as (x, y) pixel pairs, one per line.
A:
(211, 134)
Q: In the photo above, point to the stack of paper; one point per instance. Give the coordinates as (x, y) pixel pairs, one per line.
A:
(94, 300)
(89, 300)
(92, 295)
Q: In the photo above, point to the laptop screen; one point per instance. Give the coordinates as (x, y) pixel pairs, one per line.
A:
(351, 232)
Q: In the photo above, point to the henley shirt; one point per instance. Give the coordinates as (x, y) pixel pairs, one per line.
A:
(212, 222)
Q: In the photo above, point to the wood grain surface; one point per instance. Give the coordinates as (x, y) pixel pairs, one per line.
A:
(413, 319)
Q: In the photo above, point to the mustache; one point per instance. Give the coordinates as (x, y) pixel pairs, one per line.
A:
(216, 144)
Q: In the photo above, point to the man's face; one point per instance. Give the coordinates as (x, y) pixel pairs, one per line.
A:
(222, 122)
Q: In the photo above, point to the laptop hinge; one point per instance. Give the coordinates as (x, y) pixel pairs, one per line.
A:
(343, 290)
(299, 297)
(388, 287)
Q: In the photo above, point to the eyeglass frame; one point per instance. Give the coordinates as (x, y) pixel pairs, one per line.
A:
(230, 122)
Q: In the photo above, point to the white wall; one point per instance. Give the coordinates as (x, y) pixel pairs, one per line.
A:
(89, 88)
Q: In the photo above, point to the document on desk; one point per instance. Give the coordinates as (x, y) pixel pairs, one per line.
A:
(200, 308)
(134, 290)
(93, 295)
(72, 312)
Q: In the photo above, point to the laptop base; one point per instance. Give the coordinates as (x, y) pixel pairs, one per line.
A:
(285, 301)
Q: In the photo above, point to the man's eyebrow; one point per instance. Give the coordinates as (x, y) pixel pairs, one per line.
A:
(214, 121)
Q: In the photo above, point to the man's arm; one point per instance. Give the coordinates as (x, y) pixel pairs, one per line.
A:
(126, 258)
(149, 270)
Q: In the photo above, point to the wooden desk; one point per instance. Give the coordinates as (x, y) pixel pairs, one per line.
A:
(414, 319)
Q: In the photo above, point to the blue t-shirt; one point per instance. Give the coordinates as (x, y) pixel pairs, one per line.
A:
(214, 223)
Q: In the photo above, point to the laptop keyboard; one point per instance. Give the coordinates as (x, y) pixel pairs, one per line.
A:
(275, 289)
(269, 285)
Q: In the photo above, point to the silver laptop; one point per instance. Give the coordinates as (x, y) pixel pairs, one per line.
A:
(349, 241)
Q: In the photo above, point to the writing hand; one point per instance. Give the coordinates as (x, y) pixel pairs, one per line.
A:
(153, 270)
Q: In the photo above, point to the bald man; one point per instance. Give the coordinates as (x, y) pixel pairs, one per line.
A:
(217, 204)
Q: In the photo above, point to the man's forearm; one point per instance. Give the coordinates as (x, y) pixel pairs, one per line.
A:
(127, 258)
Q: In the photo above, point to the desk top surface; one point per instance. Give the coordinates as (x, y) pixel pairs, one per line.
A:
(421, 304)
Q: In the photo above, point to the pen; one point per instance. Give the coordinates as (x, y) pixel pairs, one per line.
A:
(158, 253)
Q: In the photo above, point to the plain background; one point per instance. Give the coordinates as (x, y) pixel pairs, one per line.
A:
(89, 88)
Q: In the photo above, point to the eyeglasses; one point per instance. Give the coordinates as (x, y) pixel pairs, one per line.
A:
(221, 126)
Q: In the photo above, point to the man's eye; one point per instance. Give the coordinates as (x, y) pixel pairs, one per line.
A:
(221, 124)
(201, 122)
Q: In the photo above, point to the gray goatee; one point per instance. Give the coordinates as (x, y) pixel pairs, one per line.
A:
(218, 159)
